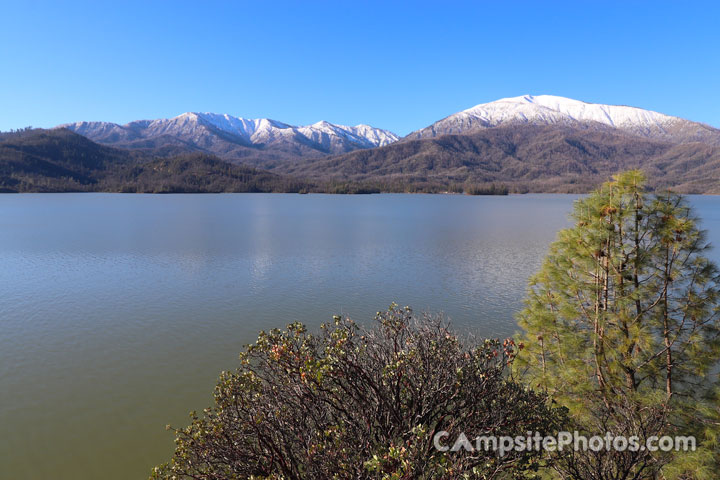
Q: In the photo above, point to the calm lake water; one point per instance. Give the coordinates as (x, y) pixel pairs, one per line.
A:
(117, 312)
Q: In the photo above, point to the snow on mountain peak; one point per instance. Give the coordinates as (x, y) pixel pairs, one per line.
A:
(555, 110)
(205, 129)
(549, 109)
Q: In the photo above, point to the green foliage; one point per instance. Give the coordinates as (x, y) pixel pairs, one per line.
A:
(621, 325)
(354, 403)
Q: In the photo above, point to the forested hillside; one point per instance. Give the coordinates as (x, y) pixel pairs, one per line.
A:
(526, 159)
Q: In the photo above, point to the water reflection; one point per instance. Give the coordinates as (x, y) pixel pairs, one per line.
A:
(118, 312)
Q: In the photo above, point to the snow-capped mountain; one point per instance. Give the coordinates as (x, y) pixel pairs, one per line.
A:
(230, 136)
(553, 110)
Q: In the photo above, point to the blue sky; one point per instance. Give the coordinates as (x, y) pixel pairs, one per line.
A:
(395, 65)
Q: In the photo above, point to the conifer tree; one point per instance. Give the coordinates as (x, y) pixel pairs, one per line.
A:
(621, 326)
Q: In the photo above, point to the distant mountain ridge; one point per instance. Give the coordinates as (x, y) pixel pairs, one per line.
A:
(549, 110)
(530, 143)
(235, 137)
(538, 144)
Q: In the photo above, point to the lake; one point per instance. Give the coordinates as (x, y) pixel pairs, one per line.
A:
(119, 311)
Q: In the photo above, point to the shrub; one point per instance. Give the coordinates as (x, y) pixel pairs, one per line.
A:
(355, 403)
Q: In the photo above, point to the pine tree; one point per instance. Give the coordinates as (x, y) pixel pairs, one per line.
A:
(621, 326)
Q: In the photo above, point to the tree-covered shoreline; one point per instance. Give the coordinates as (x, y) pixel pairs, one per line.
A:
(59, 161)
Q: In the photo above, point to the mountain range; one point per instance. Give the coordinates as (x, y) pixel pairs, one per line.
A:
(522, 144)
(538, 144)
(235, 138)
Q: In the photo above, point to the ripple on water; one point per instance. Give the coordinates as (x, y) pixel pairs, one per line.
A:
(118, 312)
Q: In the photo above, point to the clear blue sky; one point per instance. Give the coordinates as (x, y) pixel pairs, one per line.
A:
(395, 65)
